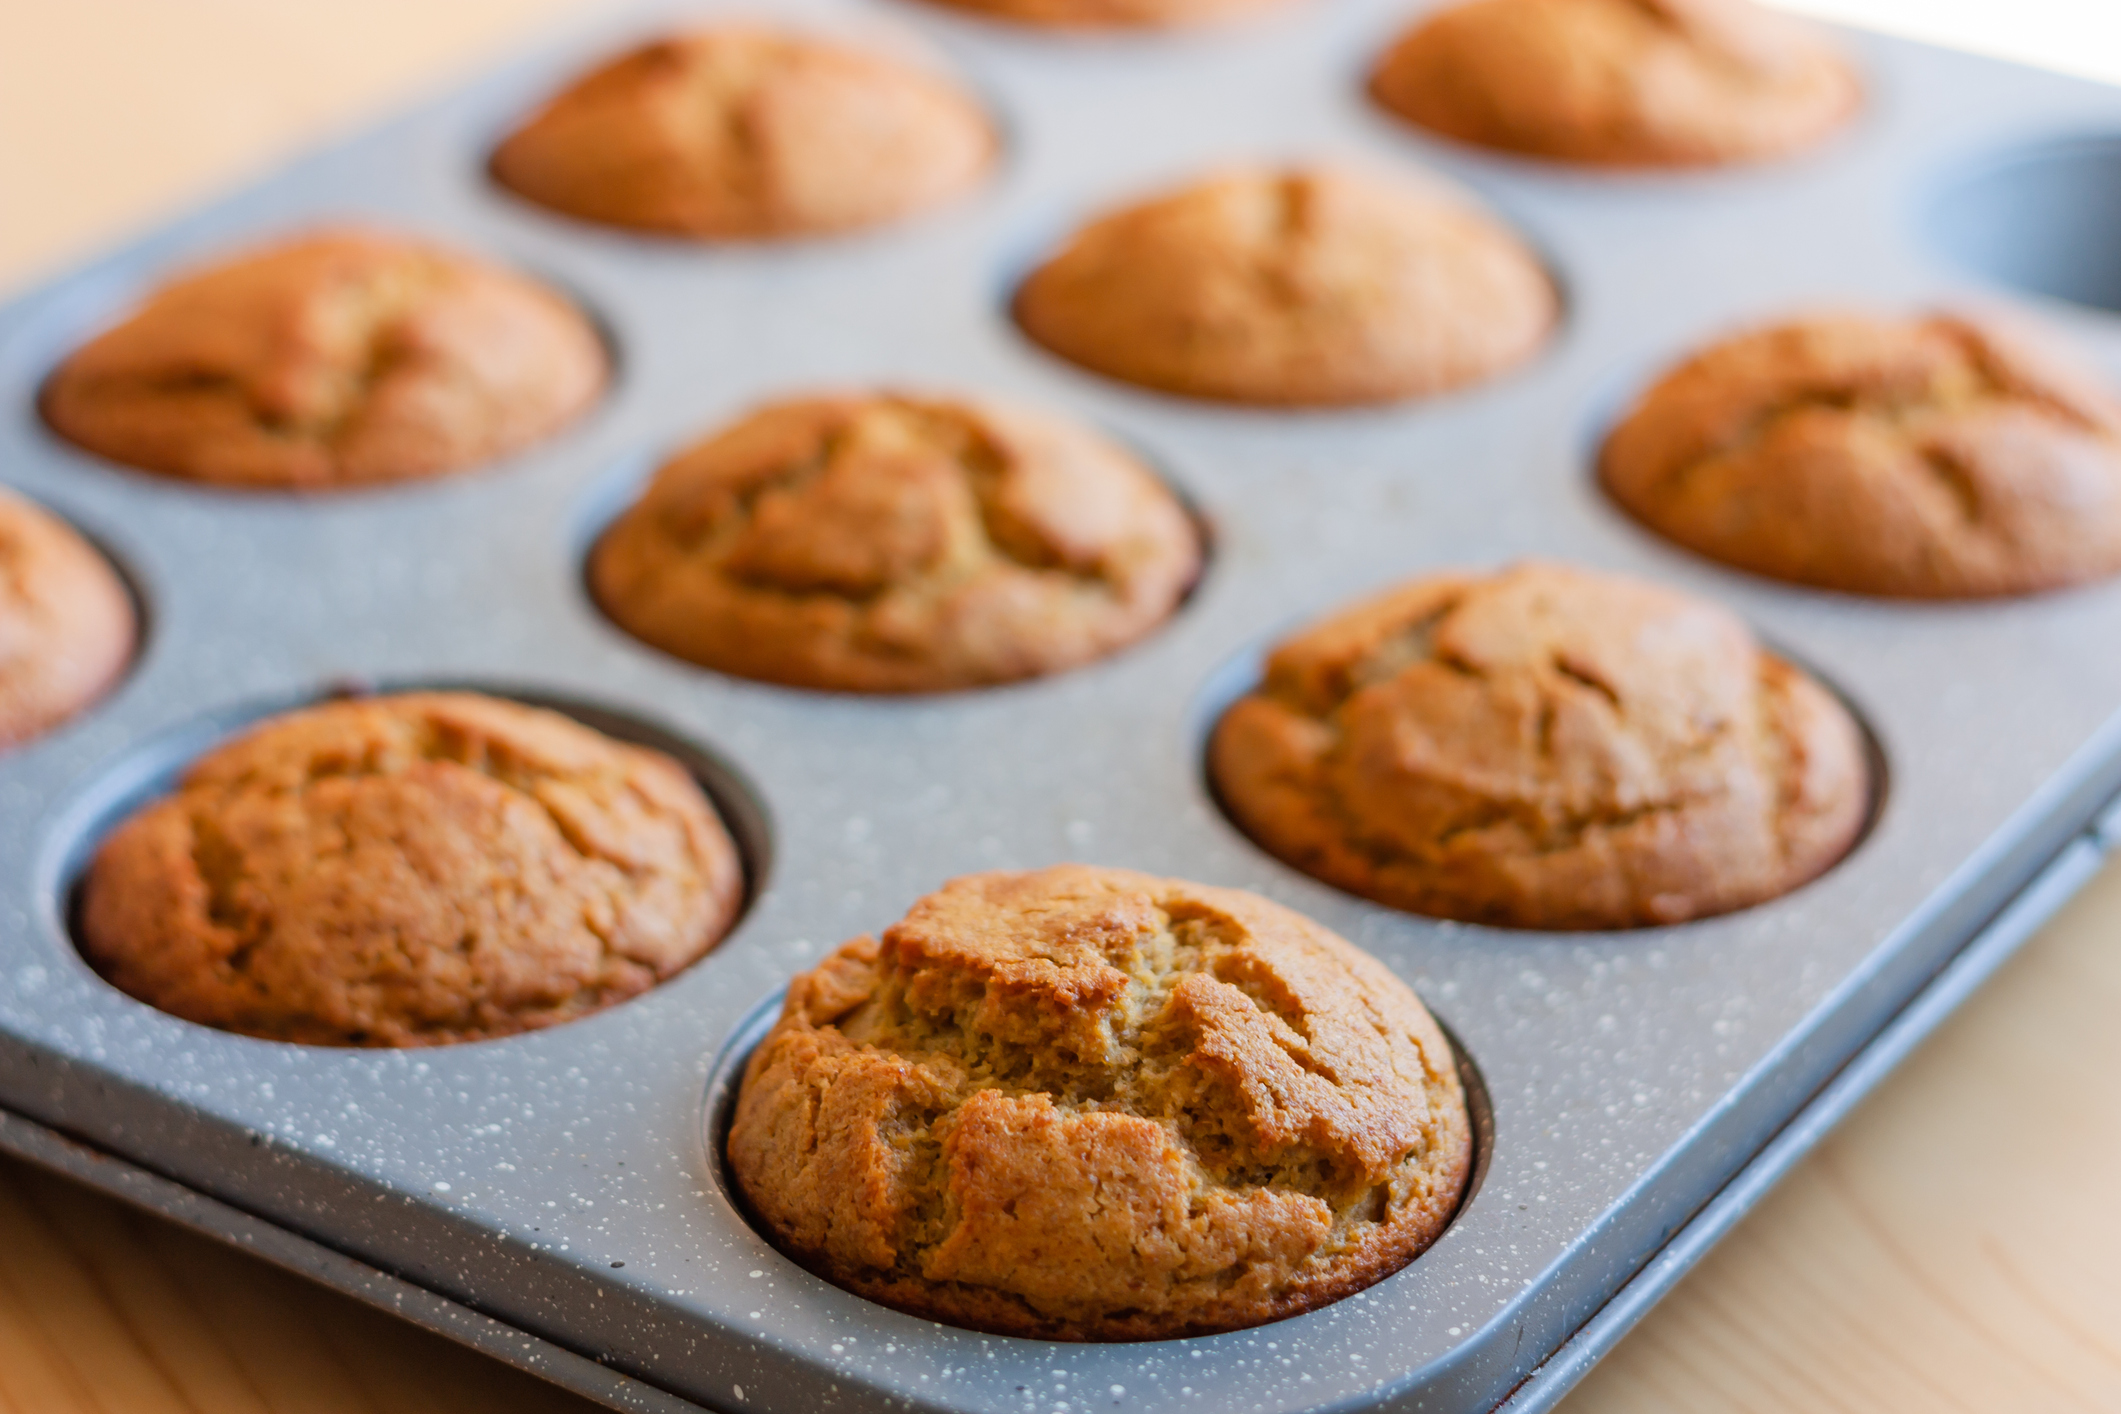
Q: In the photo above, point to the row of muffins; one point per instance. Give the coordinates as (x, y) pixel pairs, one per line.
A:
(1072, 1103)
(1938, 456)
(751, 134)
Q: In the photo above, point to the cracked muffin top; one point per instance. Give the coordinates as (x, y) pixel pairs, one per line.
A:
(1089, 1104)
(410, 871)
(747, 133)
(880, 543)
(340, 358)
(1294, 288)
(1543, 747)
(1110, 14)
(66, 622)
(1629, 83)
(1937, 457)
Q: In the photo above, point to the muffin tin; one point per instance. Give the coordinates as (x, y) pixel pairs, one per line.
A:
(556, 1199)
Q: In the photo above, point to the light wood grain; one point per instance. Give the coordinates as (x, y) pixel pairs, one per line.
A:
(1955, 1247)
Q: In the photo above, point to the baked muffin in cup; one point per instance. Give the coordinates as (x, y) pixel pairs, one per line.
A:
(1619, 83)
(67, 626)
(335, 359)
(892, 543)
(1938, 456)
(410, 870)
(744, 133)
(1306, 287)
(1089, 1104)
(1543, 747)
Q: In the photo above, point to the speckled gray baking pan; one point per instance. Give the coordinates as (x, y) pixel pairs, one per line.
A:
(557, 1193)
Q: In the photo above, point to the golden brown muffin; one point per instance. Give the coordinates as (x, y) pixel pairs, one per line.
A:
(881, 543)
(747, 133)
(66, 622)
(1309, 287)
(1089, 1104)
(1628, 83)
(410, 871)
(1543, 748)
(1111, 14)
(1937, 457)
(340, 358)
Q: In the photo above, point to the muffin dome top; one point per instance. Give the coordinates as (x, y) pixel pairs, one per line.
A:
(1937, 457)
(410, 870)
(1090, 1104)
(66, 622)
(1642, 83)
(1305, 287)
(887, 543)
(1543, 748)
(339, 358)
(748, 133)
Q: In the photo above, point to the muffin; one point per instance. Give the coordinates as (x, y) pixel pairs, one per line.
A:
(1623, 83)
(882, 543)
(1543, 748)
(1110, 14)
(340, 358)
(1935, 457)
(66, 622)
(748, 133)
(410, 871)
(1089, 1104)
(1293, 288)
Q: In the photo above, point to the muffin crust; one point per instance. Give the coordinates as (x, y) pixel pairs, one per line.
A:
(743, 133)
(340, 358)
(883, 543)
(66, 622)
(1934, 457)
(410, 871)
(1111, 14)
(1295, 288)
(1627, 83)
(1543, 748)
(1090, 1104)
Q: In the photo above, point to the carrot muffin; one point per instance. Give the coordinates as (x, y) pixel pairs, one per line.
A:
(410, 871)
(747, 133)
(1089, 1104)
(1543, 748)
(1110, 14)
(1304, 287)
(1935, 457)
(66, 622)
(880, 543)
(1627, 83)
(340, 358)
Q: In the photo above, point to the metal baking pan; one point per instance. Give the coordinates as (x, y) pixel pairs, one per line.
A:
(555, 1198)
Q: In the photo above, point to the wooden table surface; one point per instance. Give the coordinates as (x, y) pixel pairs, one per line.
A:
(1955, 1246)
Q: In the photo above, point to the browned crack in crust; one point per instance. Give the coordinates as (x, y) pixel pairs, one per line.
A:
(1090, 1104)
(1958, 376)
(410, 870)
(889, 543)
(1941, 456)
(1544, 748)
